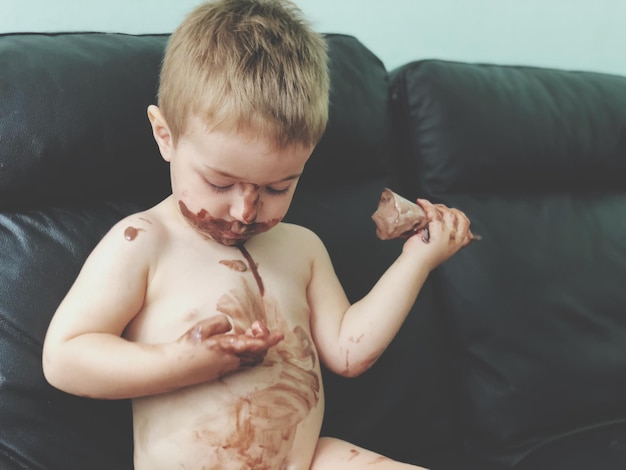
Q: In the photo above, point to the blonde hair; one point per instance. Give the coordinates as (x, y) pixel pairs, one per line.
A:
(251, 65)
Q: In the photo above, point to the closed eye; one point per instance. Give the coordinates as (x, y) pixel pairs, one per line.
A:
(277, 192)
(218, 188)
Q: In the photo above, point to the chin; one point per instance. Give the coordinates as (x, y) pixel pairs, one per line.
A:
(231, 241)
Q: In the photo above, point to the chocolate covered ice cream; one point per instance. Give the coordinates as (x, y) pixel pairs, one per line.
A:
(397, 217)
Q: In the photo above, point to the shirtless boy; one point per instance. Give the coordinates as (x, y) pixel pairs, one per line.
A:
(206, 310)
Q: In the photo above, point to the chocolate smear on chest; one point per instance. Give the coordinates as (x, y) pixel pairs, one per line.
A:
(234, 264)
(253, 268)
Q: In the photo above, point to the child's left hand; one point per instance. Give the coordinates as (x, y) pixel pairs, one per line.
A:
(448, 231)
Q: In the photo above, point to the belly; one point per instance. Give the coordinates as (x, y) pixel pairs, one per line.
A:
(268, 417)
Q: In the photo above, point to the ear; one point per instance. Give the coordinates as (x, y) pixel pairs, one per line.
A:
(161, 132)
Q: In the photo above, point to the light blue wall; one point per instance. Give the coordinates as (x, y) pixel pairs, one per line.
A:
(570, 34)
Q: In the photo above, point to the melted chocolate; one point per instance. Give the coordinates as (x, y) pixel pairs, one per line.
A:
(265, 420)
(234, 264)
(254, 268)
(131, 233)
(397, 217)
(223, 231)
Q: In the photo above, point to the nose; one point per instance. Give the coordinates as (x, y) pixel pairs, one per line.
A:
(246, 206)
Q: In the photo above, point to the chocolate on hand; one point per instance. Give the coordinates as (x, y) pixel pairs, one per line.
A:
(249, 346)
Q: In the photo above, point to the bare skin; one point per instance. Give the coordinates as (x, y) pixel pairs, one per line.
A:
(334, 453)
(251, 418)
(213, 316)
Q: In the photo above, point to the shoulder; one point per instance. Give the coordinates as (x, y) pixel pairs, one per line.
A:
(140, 228)
(299, 234)
(294, 229)
(137, 235)
(301, 241)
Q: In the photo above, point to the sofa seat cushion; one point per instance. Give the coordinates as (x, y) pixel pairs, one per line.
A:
(41, 427)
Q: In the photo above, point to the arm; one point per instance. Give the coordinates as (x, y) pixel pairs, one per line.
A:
(350, 338)
(85, 353)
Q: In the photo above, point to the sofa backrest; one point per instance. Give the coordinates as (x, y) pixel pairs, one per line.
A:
(74, 124)
(76, 155)
(536, 310)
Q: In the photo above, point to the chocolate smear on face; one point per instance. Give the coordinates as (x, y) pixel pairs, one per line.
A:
(226, 232)
(204, 223)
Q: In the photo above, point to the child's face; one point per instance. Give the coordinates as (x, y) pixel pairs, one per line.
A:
(230, 186)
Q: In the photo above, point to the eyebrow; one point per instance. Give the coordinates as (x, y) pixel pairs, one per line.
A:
(235, 177)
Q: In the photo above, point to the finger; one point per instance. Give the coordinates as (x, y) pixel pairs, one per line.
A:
(442, 210)
(208, 327)
(463, 226)
(259, 329)
(241, 344)
(269, 340)
(459, 214)
(431, 211)
(448, 217)
(275, 338)
(449, 225)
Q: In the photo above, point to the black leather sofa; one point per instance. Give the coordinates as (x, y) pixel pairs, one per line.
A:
(514, 356)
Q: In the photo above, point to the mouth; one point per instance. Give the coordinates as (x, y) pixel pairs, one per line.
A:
(240, 233)
(226, 232)
(229, 238)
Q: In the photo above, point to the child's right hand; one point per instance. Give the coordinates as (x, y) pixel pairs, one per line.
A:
(236, 349)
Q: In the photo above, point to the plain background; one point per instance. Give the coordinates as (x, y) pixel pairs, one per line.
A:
(567, 34)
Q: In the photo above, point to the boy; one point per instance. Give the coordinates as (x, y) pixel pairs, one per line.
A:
(206, 310)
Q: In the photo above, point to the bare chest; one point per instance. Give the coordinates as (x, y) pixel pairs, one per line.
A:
(189, 285)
